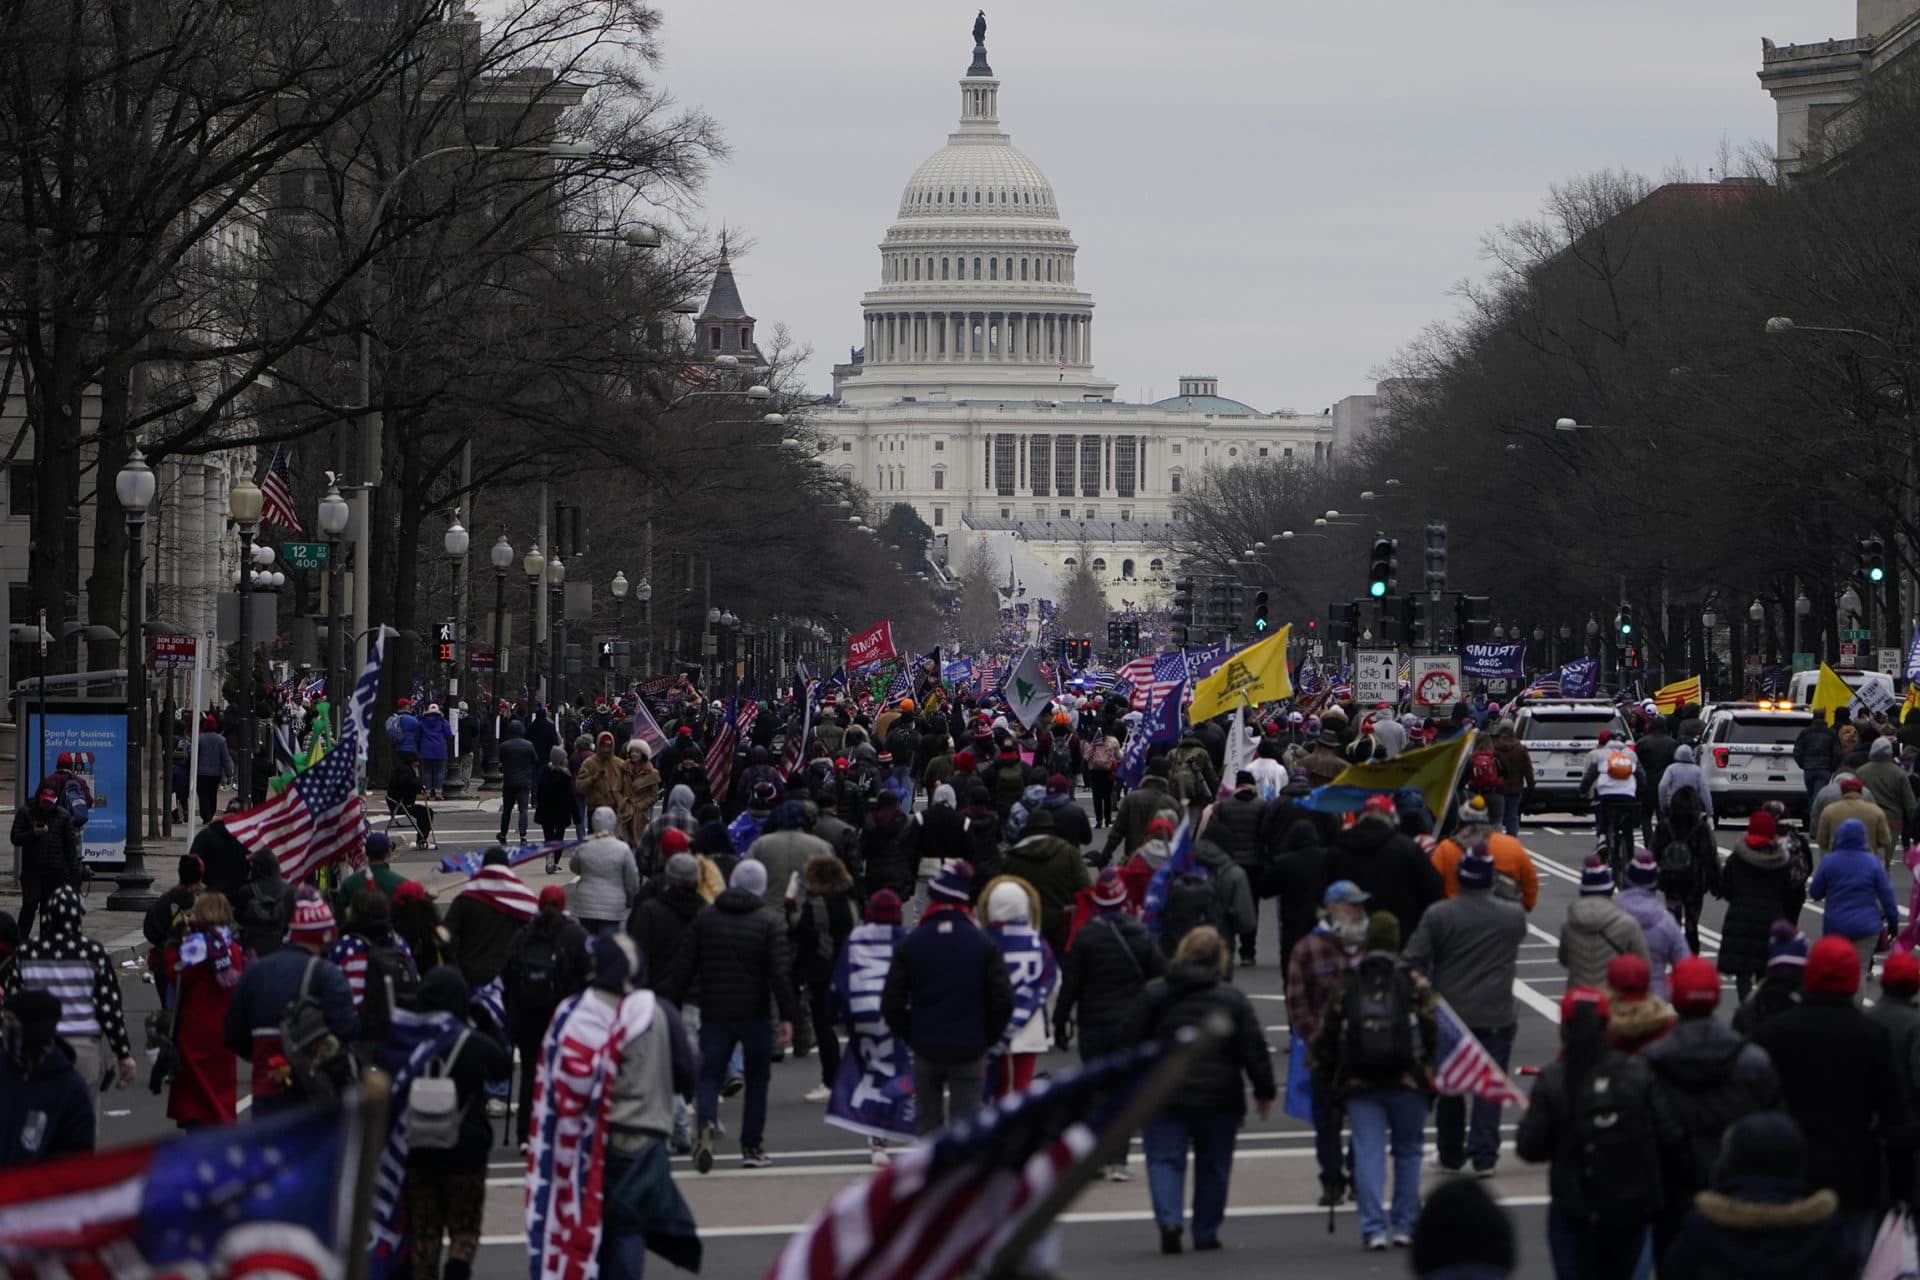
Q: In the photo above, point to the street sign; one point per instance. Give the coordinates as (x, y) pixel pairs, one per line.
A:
(1849, 653)
(480, 659)
(1376, 677)
(305, 555)
(1888, 661)
(1436, 680)
(1855, 633)
(174, 653)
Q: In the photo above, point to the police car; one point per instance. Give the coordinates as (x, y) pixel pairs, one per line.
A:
(1558, 736)
(1746, 756)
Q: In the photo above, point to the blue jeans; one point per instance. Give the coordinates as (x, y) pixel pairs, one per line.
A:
(1482, 1132)
(580, 816)
(1510, 815)
(717, 1041)
(1375, 1117)
(1165, 1141)
(1582, 1251)
(434, 774)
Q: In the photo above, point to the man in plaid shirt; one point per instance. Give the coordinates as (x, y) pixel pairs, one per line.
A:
(1316, 974)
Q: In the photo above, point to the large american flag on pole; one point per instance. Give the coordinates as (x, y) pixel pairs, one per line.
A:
(319, 818)
(276, 493)
(1153, 678)
(726, 740)
(794, 754)
(944, 1207)
(1464, 1068)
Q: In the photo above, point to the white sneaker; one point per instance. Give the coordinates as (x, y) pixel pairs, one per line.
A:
(877, 1153)
(819, 1093)
(1376, 1244)
(1119, 1173)
(1402, 1240)
(496, 1108)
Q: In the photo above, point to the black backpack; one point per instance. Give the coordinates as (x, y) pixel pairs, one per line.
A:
(532, 979)
(318, 1062)
(1617, 1158)
(392, 983)
(1060, 755)
(1378, 1022)
(1192, 900)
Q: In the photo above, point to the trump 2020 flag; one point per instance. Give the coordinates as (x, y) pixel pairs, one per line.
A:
(272, 1198)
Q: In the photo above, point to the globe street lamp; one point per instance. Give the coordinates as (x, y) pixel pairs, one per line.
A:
(244, 502)
(134, 487)
(534, 565)
(619, 586)
(335, 516)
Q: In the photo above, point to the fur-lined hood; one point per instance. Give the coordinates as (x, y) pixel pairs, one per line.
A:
(1635, 1023)
(1723, 1210)
(824, 873)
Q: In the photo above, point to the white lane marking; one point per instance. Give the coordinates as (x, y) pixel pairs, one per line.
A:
(1553, 831)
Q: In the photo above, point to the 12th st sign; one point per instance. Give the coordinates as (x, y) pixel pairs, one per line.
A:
(305, 555)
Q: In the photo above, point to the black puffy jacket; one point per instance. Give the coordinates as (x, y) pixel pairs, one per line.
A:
(1184, 996)
(884, 859)
(1389, 866)
(657, 925)
(49, 846)
(1710, 1076)
(1109, 964)
(734, 959)
(1235, 827)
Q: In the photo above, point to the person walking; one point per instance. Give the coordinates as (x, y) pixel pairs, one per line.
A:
(484, 916)
(1102, 757)
(1055, 869)
(213, 767)
(1889, 786)
(948, 996)
(49, 846)
(46, 1109)
(1839, 1083)
(553, 803)
(825, 918)
(737, 956)
(1516, 775)
(1207, 1111)
(1757, 885)
(546, 964)
(1597, 1121)
(1236, 826)
(1375, 1049)
(601, 779)
(643, 792)
(1316, 976)
(1641, 899)
(1859, 899)
(609, 877)
(1391, 868)
(1689, 860)
(270, 986)
(677, 816)
(1854, 804)
(200, 969)
(1469, 946)
(1596, 929)
(1008, 908)
(1152, 799)
(1899, 1012)
(785, 849)
(1780, 986)
(1817, 751)
(63, 960)
(519, 770)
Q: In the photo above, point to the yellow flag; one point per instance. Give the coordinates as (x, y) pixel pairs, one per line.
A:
(1831, 693)
(1912, 701)
(1434, 770)
(1258, 673)
(1670, 698)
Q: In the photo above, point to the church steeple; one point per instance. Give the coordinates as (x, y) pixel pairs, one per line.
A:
(723, 326)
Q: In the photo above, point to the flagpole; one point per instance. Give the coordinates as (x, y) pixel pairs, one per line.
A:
(1194, 1043)
(370, 1117)
(1453, 786)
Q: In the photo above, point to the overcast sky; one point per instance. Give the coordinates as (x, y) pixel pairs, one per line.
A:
(1277, 192)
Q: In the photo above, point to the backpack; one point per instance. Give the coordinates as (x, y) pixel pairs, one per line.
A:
(1677, 872)
(319, 1063)
(532, 977)
(1799, 858)
(1189, 783)
(1378, 1023)
(1009, 780)
(1617, 1159)
(1685, 809)
(1192, 901)
(434, 1112)
(392, 981)
(1485, 774)
(1060, 755)
(1620, 765)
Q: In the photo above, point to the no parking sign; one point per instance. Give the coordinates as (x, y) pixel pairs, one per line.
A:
(1436, 680)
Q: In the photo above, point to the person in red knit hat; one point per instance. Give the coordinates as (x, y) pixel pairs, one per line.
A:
(1638, 1017)
(1837, 1080)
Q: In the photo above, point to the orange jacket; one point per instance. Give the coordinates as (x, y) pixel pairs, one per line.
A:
(1509, 859)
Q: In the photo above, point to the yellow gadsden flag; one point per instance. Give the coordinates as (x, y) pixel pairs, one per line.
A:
(1258, 673)
(1831, 693)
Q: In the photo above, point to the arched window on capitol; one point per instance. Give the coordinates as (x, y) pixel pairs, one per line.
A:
(1099, 566)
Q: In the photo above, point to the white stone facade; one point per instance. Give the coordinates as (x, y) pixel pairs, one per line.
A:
(1815, 85)
(976, 393)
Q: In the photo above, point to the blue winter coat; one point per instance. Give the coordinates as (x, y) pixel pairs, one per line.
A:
(1666, 942)
(1853, 884)
(403, 731)
(435, 737)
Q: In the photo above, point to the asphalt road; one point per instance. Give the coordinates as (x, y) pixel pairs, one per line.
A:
(745, 1215)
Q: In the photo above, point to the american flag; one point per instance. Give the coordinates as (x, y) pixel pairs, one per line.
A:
(726, 739)
(319, 818)
(1153, 678)
(276, 493)
(794, 754)
(276, 1201)
(1544, 685)
(1465, 1069)
(986, 681)
(944, 1207)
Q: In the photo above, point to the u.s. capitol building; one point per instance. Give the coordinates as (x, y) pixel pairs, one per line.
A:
(974, 397)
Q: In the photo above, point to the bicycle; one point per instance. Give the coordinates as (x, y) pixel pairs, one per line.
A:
(1619, 821)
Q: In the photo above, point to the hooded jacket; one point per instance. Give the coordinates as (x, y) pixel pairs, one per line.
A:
(267, 987)
(785, 853)
(1390, 867)
(1231, 888)
(1070, 821)
(63, 960)
(262, 914)
(734, 959)
(947, 993)
(1297, 875)
(1879, 835)
(46, 1110)
(1853, 884)
(1214, 1084)
(1470, 945)
(1743, 1230)
(1151, 799)
(609, 877)
(520, 760)
(1758, 889)
(1683, 772)
(827, 915)
(1108, 965)
(1056, 871)
(1666, 943)
(1596, 931)
(1887, 784)
(435, 737)
(1235, 827)
(1709, 1076)
(602, 779)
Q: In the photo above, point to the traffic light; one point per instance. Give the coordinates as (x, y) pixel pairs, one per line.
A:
(443, 651)
(1873, 560)
(1436, 556)
(1261, 619)
(1183, 602)
(1472, 616)
(1381, 567)
(1113, 634)
(1129, 636)
(1343, 618)
(1623, 620)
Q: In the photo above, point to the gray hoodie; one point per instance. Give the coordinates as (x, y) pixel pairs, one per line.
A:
(1683, 772)
(1596, 931)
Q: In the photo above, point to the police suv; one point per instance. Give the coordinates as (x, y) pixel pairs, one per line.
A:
(1746, 756)
(1558, 735)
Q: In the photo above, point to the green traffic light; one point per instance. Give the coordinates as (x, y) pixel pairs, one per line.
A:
(1377, 588)
(1876, 574)
(1259, 624)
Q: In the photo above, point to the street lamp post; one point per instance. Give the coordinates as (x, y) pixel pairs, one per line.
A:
(1802, 608)
(619, 586)
(455, 544)
(502, 557)
(534, 565)
(556, 586)
(244, 501)
(644, 594)
(134, 487)
(335, 515)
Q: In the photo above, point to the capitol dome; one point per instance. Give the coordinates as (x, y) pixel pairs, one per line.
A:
(978, 270)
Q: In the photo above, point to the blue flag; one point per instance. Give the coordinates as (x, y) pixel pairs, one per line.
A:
(1161, 723)
(1579, 678)
(1179, 863)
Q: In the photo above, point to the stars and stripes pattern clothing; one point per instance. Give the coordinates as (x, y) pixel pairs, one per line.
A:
(1463, 1067)
(504, 891)
(319, 818)
(349, 952)
(64, 962)
(944, 1207)
(414, 1042)
(276, 493)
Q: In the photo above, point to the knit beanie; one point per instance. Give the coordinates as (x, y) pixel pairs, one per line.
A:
(1596, 879)
(749, 874)
(1643, 872)
(1695, 985)
(674, 841)
(1760, 830)
(952, 884)
(682, 869)
(1109, 891)
(1764, 1155)
(1628, 977)
(1383, 931)
(616, 962)
(1461, 1226)
(1832, 965)
(1900, 974)
(1786, 946)
(312, 922)
(1476, 867)
(1474, 812)
(883, 908)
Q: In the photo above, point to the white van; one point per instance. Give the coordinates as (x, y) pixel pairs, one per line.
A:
(1881, 695)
